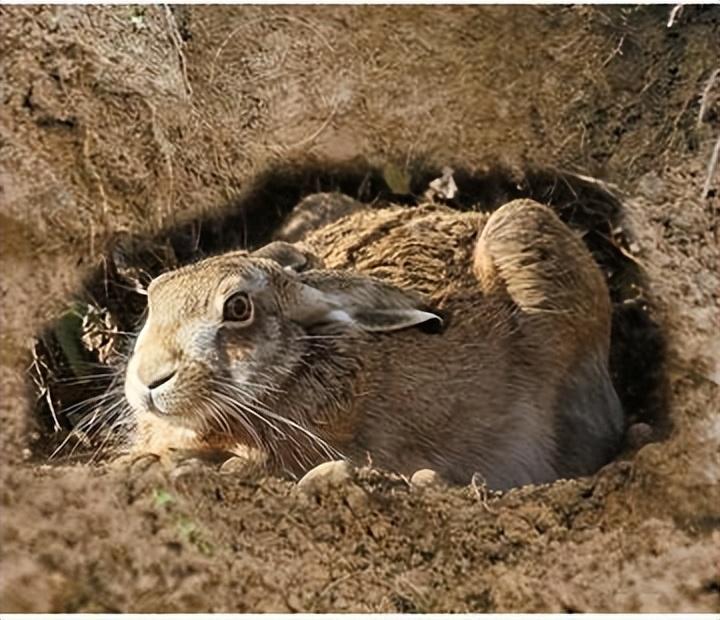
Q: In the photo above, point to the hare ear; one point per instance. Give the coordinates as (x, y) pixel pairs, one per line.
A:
(392, 320)
(288, 256)
(365, 303)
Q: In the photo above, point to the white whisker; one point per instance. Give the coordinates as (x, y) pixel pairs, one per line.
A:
(260, 410)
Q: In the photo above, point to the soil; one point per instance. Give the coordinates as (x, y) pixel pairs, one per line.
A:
(126, 130)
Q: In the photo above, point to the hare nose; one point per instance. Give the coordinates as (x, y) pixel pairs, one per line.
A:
(160, 380)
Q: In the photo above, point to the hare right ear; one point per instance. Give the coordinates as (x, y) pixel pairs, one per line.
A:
(288, 256)
(326, 297)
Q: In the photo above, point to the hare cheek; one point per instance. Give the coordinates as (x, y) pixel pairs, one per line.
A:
(239, 354)
(239, 363)
(200, 338)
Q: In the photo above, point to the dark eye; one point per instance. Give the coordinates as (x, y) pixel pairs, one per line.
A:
(238, 308)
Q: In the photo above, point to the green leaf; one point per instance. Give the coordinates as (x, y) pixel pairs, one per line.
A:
(68, 332)
(397, 179)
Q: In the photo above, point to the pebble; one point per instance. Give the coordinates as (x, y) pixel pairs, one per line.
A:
(426, 479)
(325, 476)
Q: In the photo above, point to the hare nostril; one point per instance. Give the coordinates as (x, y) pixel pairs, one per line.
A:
(158, 382)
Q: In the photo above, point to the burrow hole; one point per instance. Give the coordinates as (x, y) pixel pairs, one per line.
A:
(77, 360)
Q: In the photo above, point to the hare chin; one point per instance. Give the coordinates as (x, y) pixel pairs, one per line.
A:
(184, 421)
(157, 435)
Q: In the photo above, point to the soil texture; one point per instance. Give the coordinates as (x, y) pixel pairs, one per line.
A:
(136, 138)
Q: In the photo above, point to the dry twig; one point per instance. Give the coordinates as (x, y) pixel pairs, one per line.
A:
(615, 52)
(676, 10)
(480, 489)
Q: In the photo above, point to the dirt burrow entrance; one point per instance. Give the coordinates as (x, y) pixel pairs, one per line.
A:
(122, 121)
(79, 361)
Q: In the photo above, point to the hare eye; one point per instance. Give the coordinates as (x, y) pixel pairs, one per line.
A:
(238, 308)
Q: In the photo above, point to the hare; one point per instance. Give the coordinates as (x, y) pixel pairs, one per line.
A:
(418, 338)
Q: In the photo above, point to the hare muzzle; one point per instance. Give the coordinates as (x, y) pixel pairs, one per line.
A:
(150, 379)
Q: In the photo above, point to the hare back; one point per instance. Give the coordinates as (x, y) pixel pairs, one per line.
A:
(518, 386)
(427, 249)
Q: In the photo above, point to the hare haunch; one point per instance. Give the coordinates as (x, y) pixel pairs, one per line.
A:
(413, 338)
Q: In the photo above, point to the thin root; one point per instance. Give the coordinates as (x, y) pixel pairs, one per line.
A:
(712, 169)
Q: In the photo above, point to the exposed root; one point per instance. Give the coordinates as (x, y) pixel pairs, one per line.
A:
(178, 44)
(674, 14)
(617, 51)
(705, 98)
(479, 488)
(712, 169)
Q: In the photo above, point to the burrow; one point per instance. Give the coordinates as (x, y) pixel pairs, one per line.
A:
(80, 356)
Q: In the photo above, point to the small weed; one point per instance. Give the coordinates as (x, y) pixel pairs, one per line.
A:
(161, 497)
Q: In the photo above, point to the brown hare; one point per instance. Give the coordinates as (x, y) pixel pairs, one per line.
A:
(411, 338)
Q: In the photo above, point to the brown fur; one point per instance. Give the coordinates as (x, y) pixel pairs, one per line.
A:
(515, 388)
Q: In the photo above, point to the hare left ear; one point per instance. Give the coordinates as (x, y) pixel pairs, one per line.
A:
(327, 297)
(379, 320)
(288, 256)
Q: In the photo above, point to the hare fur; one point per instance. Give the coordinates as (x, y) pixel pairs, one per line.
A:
(413, 338)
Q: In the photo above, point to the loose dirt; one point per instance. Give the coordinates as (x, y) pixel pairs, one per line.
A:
(125, 129)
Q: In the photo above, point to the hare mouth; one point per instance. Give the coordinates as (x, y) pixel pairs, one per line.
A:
(182, 419)
(154, 408)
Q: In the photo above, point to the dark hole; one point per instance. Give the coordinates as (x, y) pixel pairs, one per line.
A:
(638, 346)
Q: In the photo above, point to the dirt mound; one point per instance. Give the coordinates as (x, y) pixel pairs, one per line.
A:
(198, 128)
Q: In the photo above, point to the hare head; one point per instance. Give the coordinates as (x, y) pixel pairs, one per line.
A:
(224, 333)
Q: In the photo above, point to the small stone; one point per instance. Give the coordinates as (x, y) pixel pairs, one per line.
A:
(325, 476)
(426, 479)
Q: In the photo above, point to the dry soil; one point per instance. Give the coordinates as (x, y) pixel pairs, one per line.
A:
(211, 123)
